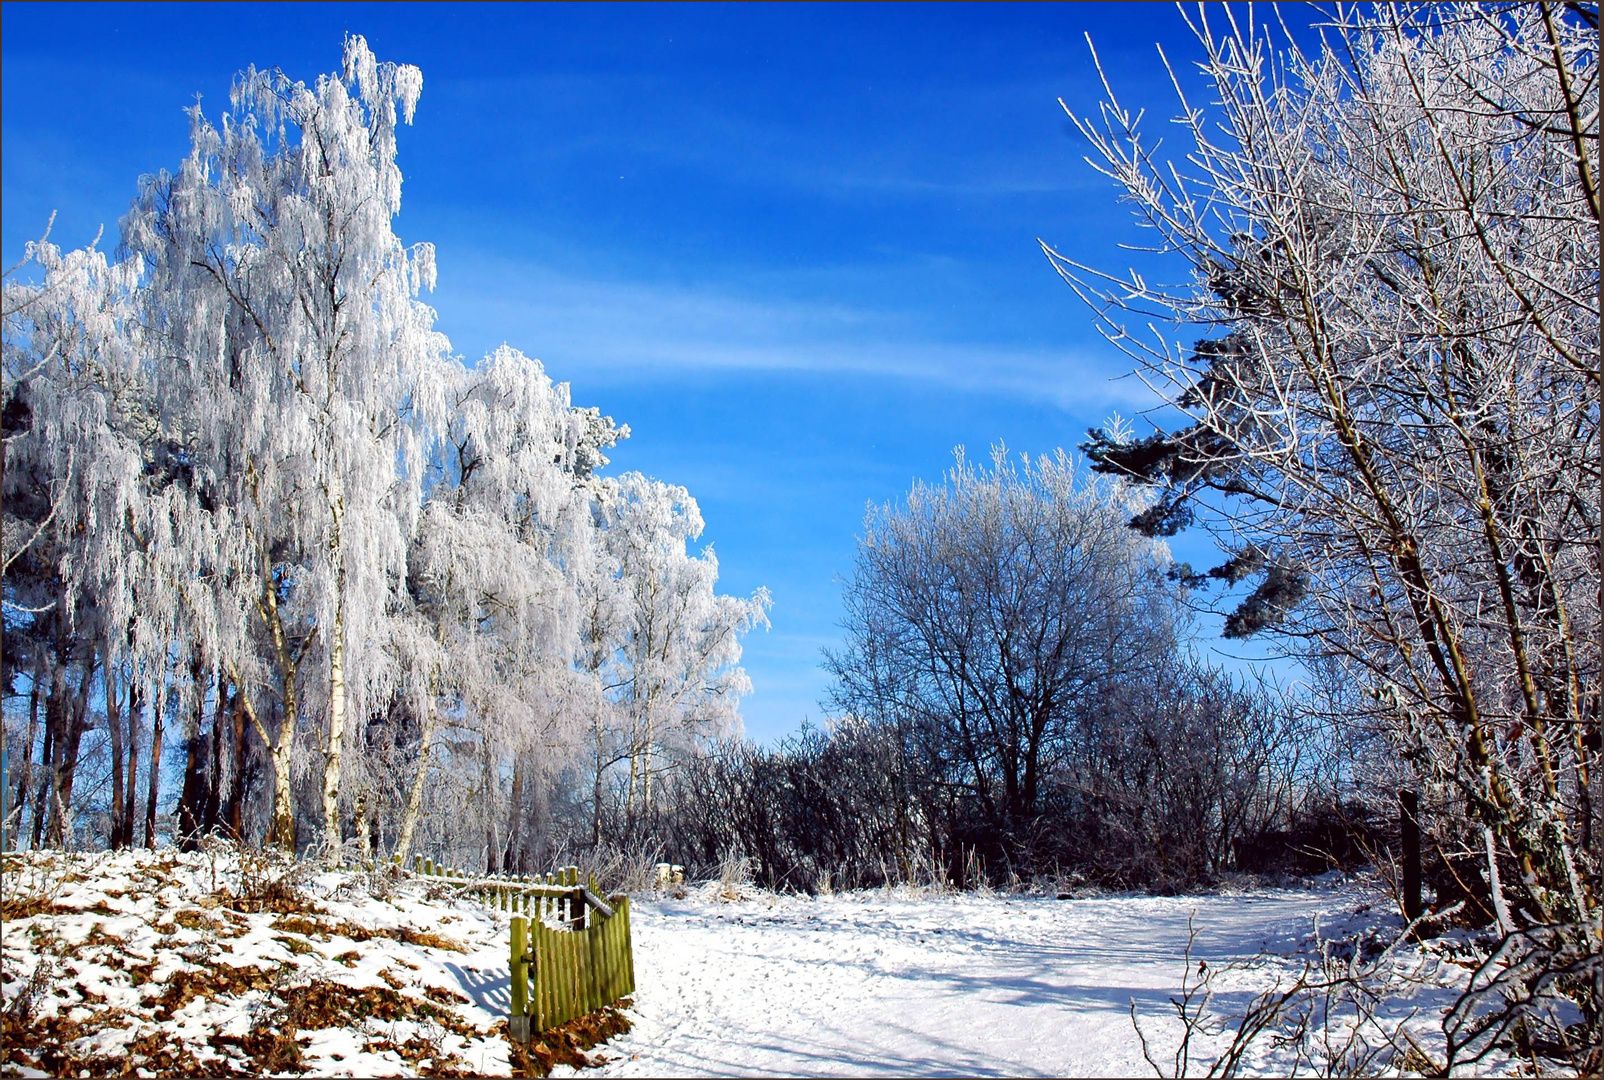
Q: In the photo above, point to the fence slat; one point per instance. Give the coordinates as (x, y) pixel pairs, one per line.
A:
(576, 943)
(566, 948)
(564, 998)
(610, 961)
(595, 939)
(543, 972)
(620, 966)
(576, 993)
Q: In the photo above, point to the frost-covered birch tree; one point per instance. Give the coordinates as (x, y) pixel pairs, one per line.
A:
(492, 570)
(673, 676)
(310, 375)
(79, 433)
(245, 475)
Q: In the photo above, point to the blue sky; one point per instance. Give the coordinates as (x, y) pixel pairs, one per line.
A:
(793, 247)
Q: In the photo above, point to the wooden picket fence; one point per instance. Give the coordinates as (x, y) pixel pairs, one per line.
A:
(571, 952)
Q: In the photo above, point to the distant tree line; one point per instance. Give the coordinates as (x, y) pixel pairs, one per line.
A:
(1018, 696)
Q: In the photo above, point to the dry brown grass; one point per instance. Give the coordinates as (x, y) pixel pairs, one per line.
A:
(35, 889)
(25, 906)
(274, 1044)
(322, 929)
(566, 1045)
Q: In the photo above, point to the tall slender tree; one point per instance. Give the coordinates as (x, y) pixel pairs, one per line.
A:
(311, 375)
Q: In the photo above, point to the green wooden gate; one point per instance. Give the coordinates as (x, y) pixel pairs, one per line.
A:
(571, 965)
(571, 951)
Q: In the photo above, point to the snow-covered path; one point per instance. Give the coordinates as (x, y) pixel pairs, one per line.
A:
(869, 984)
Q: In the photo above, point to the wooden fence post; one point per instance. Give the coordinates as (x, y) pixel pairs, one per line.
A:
(629, 949)
(518, 1021)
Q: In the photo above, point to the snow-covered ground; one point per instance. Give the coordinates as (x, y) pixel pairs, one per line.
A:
(877, 984)
(191, 964)
(194, 963)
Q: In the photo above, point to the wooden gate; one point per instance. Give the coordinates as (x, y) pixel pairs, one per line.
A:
(559, 974)
(571, 952)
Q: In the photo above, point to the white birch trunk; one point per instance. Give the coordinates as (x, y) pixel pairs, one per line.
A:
(409, 818)
(336, 736)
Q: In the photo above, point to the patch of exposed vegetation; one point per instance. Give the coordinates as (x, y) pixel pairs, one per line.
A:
(567, 1045)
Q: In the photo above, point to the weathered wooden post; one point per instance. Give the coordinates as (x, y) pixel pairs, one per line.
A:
(595, 965)
(518, 1021)
(575, 911)
(1409, 829)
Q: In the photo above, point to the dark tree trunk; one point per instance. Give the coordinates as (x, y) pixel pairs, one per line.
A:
(214, 772)
(41, 797)
(77, 722)
(1409, 826)
(492, 790)
(234, 811)
(193, 796)
(114, 725)
(192, 800)
(136, 705)
(154, 780)
(25, 777)
(45, 816)
(512, 856)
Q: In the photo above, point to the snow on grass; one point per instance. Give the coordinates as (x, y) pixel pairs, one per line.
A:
(911, 984)
(158, 963)
(162, 963)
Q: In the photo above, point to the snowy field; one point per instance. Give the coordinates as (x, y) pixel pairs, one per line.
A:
(874, 984)
(159, 964)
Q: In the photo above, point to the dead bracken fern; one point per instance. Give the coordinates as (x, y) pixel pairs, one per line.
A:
(86, 1003)
(268, 880)
(273, 1045)
(567, 1045)
(28, 888)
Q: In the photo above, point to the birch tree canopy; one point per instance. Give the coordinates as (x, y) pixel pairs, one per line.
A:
(253, 489)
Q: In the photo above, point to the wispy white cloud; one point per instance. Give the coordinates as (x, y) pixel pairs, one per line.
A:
(600, 330)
